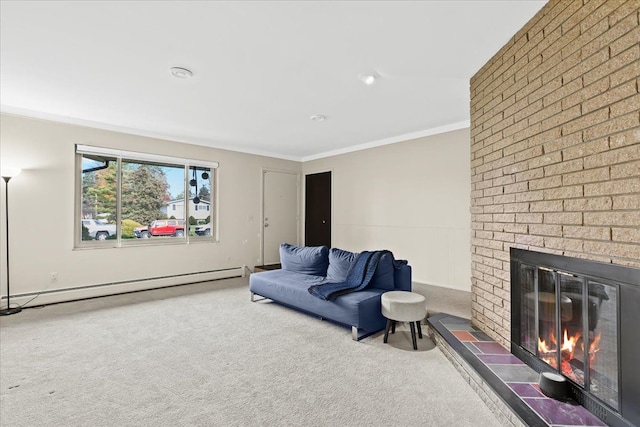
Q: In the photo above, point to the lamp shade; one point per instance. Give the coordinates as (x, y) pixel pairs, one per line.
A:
(9, 171)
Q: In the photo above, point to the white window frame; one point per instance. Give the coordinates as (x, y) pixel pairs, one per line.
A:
(123, 155)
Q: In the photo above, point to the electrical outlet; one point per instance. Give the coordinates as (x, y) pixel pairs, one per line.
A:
(53, 276)
(228, 258)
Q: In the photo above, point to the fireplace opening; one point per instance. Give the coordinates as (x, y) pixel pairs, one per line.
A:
(579, 318)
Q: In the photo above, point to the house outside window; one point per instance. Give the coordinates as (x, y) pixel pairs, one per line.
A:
(134, 198)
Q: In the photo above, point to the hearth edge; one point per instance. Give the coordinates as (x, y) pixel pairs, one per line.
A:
(503, 412)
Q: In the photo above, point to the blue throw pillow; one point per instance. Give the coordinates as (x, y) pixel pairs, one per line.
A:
(312, 260)
(340, 262)
(383, 276)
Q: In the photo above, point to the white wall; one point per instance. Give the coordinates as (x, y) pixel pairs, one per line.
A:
(41, 240)
(412, 198)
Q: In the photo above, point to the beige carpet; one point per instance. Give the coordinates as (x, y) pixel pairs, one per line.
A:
(204, 355)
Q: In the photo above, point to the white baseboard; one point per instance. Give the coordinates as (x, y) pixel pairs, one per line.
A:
(98, 290)
(442, 285)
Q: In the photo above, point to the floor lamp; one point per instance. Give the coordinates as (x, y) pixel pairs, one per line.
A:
(7, 174)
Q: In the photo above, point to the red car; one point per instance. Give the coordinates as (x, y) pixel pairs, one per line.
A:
(167, 227)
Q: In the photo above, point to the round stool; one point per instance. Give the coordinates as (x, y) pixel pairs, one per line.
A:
(402, 306)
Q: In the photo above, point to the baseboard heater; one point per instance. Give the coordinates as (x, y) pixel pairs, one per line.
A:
(32, 299)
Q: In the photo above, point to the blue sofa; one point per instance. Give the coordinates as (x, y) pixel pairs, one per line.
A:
(303, 267)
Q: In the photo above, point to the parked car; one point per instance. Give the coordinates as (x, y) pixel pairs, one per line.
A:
(142, 232)
(167, 227)
(99, 229)
(203, 230)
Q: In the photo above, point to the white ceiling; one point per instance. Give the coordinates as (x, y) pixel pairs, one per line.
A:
(261, 69)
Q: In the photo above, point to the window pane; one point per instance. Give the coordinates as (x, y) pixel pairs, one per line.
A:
(200, 199)
(141, 198)
(149, 207)
(99, 198)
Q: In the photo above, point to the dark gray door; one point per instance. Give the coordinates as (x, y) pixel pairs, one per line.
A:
(317, 225)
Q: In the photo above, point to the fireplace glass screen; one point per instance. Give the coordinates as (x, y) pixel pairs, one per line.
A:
(603, 360)
(570, 323)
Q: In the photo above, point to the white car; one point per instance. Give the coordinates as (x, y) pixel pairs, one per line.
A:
(99, 229)
(203, 230)
(141, 232)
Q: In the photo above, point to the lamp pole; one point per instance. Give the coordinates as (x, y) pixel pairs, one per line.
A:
(7, 175)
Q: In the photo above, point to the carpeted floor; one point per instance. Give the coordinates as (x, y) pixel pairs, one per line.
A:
(204, 355)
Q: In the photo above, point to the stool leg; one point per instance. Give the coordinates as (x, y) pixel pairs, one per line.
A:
(386, 331)
(393, 326)
(413, 335)
(419, 329)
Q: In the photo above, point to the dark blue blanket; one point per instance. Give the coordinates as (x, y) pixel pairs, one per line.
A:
(358, 277)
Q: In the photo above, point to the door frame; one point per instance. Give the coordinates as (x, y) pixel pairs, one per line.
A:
(304, 199)
(262, 188)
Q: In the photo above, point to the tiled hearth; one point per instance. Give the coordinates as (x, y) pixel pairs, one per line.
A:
(505, 383)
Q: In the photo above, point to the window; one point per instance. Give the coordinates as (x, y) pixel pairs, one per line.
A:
(127, 196)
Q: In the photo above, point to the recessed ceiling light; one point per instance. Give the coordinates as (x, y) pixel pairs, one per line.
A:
(181, 73)
(367, 79)
(318, 118)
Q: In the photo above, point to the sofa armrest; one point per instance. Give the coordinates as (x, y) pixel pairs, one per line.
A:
(402, 278)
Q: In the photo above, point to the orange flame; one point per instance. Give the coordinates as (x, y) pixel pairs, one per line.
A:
(569, 343)
(543, 347)
(547, 351)
(594, 347)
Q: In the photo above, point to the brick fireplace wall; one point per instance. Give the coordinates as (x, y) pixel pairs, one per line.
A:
(555, 147)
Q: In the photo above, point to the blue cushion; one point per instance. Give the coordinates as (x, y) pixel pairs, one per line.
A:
(312, 260)
(340, 262)
(383, 276)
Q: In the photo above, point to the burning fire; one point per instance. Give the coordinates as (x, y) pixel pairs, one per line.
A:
(547, 352)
